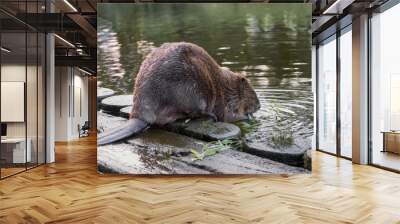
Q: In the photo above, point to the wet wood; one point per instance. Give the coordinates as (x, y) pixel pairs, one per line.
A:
(125, 112)
(114, 104)
(205, 129)
(291, 155)
(161, 152)
(103, 93)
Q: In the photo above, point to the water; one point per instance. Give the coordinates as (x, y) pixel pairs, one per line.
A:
(269, 43)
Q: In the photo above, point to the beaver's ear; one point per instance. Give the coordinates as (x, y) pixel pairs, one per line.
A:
(242, 83)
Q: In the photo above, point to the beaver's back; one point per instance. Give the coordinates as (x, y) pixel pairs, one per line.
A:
(177, 59)
(176, 80)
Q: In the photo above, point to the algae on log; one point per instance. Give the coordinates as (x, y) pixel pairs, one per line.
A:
(143, 155)
(131, 159)
(158, 151)
(236, 162)
(307, 160)
(292, 155)
(147, 153)
(207, 130)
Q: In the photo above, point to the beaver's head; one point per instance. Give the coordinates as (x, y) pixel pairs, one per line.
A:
(241, 99)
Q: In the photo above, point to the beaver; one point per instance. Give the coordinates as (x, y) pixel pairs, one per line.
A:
(180, 81)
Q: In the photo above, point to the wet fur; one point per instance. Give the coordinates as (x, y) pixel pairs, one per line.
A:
(180, 80)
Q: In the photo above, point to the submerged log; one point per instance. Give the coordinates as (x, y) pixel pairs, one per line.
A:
(125, 112)
(107, 121)
(103, 93)
(292, 155)
(132, 159)
(232, 161)
(159, 151)
(114, 104)
(205, 129)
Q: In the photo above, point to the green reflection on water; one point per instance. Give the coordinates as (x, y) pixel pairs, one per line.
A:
(269, 43)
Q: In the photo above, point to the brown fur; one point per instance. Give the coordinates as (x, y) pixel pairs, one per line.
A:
(180, 80)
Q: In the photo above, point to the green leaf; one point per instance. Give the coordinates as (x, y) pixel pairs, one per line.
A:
(197, 155)
(210, 152)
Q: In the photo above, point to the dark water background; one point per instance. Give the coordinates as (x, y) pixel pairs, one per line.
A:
(269, 43)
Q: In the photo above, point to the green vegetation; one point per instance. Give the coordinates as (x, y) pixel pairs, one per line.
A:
(166, 155)
(213, 148)
(248, 126)
(281, 137)
(208, 125)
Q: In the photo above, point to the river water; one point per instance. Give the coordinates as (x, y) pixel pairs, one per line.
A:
(269, 43)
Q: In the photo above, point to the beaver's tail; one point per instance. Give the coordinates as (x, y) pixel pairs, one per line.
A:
(131, 127)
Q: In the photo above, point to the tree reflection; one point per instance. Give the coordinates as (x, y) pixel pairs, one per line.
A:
(269, 43)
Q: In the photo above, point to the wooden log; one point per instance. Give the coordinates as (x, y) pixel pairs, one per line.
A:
(103, 93)
(125, 112)
(292, 155)
(114, 104)
(205, 129)
(131, 159)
